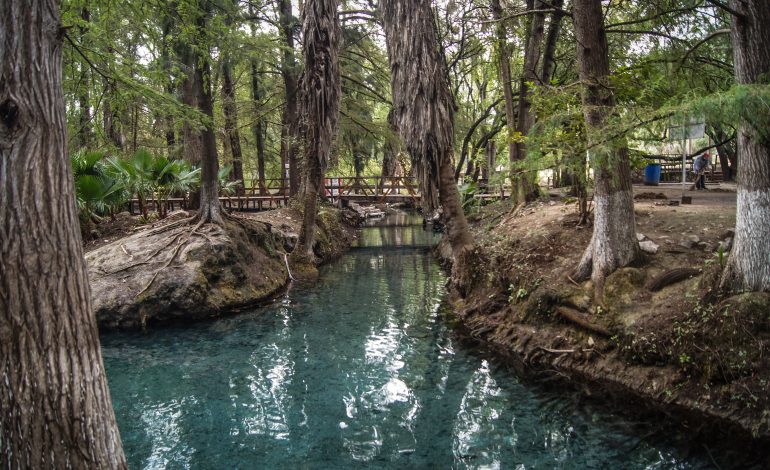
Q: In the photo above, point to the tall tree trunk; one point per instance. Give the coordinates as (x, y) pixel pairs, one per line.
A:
(85, 136)
(290, 119)
(321, 106)
(726, 152)
(191, 90)
(552, 38)
(191, 137)
(424, 112)
(469, 135)
(55, 408)
(504, 56)
(614, 241)
(210, 206)
(748, 267)
(524, 184)
(259, 128)
(392, 145)
(491, 159)
(84, 124)
(111, 116)
(230, 111)
(166, 27)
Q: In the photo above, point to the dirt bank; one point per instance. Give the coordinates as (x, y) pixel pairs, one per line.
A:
(162, 273)
(662, 339)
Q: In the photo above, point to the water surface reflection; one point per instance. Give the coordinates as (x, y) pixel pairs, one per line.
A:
(360, 370)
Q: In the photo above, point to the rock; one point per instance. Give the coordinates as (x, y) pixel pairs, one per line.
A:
(640, 237)
(622, 287)
(687, 244)
(649, 246)
(725, 245)
(729, 233)
(694, 238)
(212, 270)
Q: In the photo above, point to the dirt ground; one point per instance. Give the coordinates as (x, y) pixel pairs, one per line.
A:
(664, 340)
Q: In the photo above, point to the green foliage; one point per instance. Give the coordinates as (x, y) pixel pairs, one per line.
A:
(468, 192)
(227, 187)
(97, 191)
(154, 177)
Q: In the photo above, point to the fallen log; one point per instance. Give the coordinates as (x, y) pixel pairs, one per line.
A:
(670, 277)
(582, 320)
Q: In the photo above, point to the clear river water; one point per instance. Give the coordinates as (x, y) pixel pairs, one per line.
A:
(361, 370)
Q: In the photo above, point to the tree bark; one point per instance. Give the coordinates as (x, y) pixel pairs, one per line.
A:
(424, 113)
(549, 51)
(748, 267)
(259, 128)
(507, 84)
(55, 407)
(230, 111)
(614, 242)
(727, 155)
(524, 187)
(167, 25)
(192, 139)
(392, 145)
(210, 206)
(290, 119)
(85, 136)
(321, 106)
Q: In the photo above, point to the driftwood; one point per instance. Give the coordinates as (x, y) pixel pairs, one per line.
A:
(582, 320)
(670, 277)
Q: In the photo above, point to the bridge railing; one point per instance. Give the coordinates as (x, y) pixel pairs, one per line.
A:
(374, 188)
(275, 193)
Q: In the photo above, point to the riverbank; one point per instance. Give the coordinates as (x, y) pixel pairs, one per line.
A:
(171, 272)
(361, 369)
(662, 339)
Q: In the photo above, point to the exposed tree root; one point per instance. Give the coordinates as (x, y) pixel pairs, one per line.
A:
(203, 218)
(148, 259)
(172, 257)
(288, 269)
(582, 320)
(670, 277)
(173, 225)
(516, 209)
(566, 351)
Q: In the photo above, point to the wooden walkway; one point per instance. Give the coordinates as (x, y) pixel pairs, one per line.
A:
(337, 190)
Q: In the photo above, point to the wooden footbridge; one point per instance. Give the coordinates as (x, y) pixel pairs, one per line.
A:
(337, 190)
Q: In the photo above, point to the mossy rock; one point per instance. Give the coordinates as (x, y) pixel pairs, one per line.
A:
(622, 288)
(539, 306)
(183, 274)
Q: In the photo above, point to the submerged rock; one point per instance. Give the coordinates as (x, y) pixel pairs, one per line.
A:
(184, 273)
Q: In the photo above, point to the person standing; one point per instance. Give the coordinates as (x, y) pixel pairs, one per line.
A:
(700, 166)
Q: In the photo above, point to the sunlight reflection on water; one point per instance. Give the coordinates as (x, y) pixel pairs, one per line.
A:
(361, 370)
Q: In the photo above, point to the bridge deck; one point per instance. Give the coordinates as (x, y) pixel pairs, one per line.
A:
(337, 190)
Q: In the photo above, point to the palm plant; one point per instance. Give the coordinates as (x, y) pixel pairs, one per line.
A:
(226, 185)
(171, 177)
(155, 178)
(98, 192)
(136, 174)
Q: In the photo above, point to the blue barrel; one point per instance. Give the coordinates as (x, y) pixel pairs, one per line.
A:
(652, 174)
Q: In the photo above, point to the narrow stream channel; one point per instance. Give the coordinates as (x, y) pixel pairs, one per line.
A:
(362, 370)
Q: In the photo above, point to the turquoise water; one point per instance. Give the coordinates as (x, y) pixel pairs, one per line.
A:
(361, 370)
